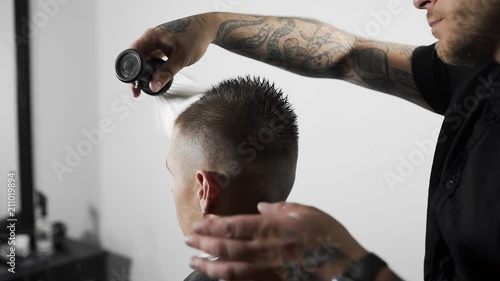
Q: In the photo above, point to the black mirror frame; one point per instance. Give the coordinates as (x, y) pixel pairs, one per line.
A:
(23, 70)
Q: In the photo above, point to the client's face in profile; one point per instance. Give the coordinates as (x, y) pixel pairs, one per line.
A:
(183, 161)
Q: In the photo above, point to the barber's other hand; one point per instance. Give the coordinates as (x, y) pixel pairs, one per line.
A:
(286, 242)
(183, 41)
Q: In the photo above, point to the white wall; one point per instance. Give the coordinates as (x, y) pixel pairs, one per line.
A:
(349, 137)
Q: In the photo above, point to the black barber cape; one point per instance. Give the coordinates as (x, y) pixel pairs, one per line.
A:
(198, 276)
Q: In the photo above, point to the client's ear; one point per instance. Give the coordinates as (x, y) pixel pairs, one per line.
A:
(209, 189)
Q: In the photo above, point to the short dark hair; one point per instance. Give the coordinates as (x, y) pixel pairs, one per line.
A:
(247, 122)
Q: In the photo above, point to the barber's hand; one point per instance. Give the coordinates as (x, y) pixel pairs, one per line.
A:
(183, 41)
(286, 242)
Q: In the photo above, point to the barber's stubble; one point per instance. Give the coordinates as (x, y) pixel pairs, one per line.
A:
(474, 37)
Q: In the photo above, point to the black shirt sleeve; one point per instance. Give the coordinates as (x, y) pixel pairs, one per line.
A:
(432, 78)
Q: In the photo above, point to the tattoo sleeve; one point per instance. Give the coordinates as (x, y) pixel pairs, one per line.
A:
(372, 66)
(176, 26)
(306, 265)
(315, 49)
(273, 45)
(254, 41)
(387, 68)
(302, 46)
(404, 78)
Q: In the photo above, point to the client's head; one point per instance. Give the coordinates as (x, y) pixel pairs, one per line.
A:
(234, 147)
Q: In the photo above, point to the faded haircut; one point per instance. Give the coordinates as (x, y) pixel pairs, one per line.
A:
(246, 126)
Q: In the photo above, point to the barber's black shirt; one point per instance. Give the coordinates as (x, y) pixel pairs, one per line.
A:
(463, 212)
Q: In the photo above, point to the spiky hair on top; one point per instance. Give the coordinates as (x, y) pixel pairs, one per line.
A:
(248, 120)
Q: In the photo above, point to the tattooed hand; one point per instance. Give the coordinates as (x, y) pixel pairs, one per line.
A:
(183, 41)
(286, 242)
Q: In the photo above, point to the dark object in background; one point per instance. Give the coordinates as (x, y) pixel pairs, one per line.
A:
(43, 228)
(25, 218)
(79, 261)
(59, 235)
(130, 67)
(20, 227)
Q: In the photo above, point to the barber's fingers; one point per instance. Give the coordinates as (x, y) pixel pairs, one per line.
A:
(152, 44)
(175, 62)
(284, 210)
(279, 208)
(258, 251)
(270, 223)
(158, 54)
(135, 91)
(149, 42)
(243, 227)
(234, 271)
(148, 45)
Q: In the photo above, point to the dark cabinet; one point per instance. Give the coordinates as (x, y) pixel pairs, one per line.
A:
(77, 262)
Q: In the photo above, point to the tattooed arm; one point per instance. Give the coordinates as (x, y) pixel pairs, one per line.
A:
(303, 46)
(286, 242)
(315, 49)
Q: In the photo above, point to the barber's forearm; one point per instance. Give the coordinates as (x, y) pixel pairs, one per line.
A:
(303, 46)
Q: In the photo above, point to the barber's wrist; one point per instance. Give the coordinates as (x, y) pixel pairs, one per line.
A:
(213, 22)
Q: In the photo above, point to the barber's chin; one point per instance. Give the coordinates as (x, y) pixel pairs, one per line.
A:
(442, 52)
(435, 33)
